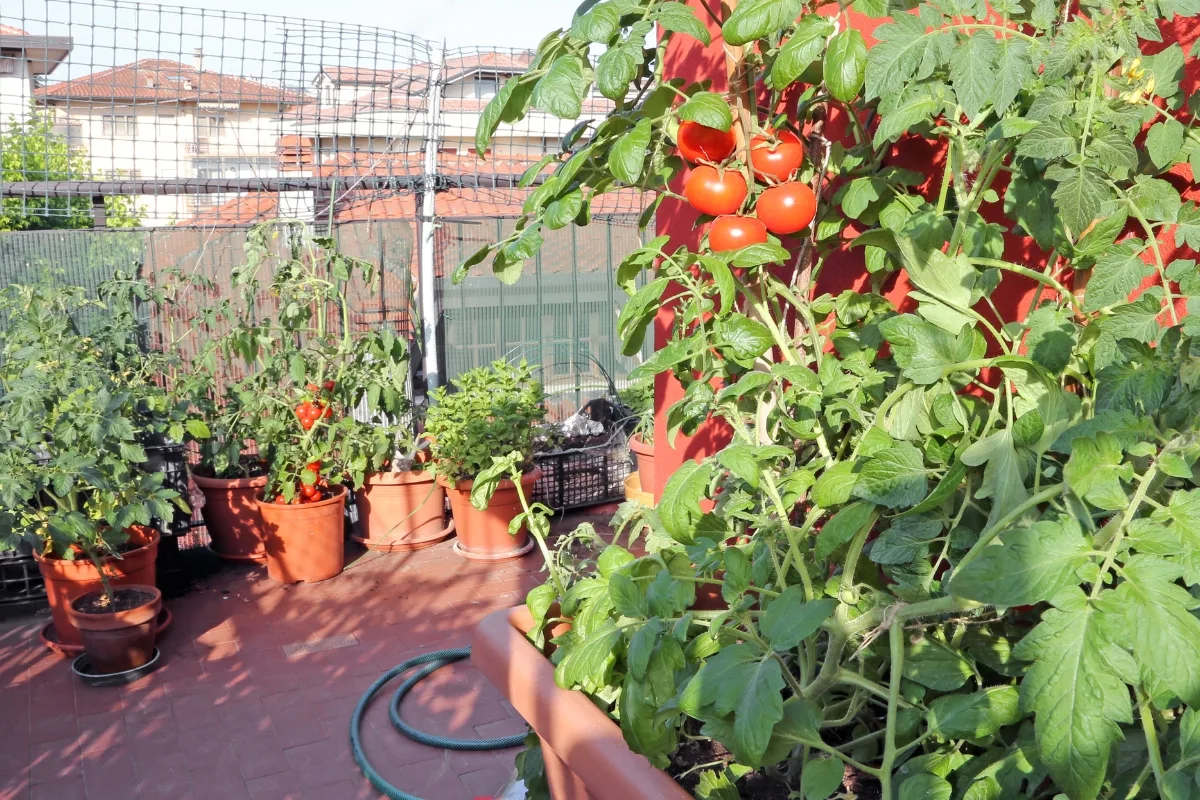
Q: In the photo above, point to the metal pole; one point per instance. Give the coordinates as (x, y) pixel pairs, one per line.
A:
(426, 227)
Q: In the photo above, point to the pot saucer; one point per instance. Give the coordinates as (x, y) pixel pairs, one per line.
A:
(82, 665)
(49, 636)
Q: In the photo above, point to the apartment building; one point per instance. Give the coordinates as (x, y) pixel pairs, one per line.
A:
(26, 59)
(157, 118)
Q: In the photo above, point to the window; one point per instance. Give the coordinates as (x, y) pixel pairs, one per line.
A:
(486, 87)
(246, 167)
(209, 127)
(118, 125)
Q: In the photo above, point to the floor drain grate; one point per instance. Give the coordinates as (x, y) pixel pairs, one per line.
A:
(319, 645)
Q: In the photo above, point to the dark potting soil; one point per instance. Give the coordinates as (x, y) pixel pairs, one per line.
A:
(123, 600)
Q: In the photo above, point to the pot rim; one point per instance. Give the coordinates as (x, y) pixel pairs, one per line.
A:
(151, 532)
(527, 479)
(411, 476)
(339, 495)
(114, 620)
(205, 482)
(639, 445)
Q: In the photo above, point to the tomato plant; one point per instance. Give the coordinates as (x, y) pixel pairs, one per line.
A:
(950, 549)
(321, 401)
(733, 233)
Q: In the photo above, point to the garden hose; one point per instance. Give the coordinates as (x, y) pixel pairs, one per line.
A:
(433, 662)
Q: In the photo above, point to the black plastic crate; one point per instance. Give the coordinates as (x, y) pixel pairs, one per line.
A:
(21, 584)
(584, 476)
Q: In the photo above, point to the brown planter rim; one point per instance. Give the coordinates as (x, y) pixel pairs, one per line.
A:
(638, 445)
(229, 483)
(394, 478)
(527, 479)
(338, 495)
(138, 615)
(63, 566)
(580, 734)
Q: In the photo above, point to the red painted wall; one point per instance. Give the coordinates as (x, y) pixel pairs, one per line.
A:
(688, 59)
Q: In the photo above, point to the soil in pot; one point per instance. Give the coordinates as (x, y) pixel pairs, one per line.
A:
(66, 580)
(483, 535)
(305, 542)
(401, 511)
(118, 636)
(232, 517)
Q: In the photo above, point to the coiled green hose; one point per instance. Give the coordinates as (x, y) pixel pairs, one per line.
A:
(433, 662)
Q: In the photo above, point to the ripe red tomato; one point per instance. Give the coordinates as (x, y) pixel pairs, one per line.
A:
(309, 491)
(701, 143)
(280, 500)
(312, 387)
(787, 208)
(327, 413)
(314, 467)
(710, 191)
(776, 157)
(329, 386)
(734, 233)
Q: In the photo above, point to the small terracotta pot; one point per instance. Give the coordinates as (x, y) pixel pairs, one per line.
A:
(401, 511)
(67, 580)
(483, 535)
(122, 640)
(232, 518)
(644, 454)
(586, 756)
(305, 542)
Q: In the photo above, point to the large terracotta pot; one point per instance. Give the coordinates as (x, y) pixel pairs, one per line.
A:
(645, 463)
(483, 535)
(305, 542)
(67, 580)
(118, 641)
(586, 756)
(232, 518)
(401, 511)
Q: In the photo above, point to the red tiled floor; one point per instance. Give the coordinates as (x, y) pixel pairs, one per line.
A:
(231, 716)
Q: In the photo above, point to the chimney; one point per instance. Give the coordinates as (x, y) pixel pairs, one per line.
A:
(198, 56)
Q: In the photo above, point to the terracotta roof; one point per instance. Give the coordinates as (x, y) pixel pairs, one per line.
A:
(362, 76)
(153, 80)
(9, 30)
(397, 98)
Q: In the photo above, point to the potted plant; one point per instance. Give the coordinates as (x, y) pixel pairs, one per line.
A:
(953, 534)
(639, 398)
(401, 506)
(491, 412)
(72, 482)
(307, 373)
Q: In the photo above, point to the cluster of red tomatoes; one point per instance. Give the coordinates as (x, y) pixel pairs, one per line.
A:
(306, 492)
(310, 411)
(785, 207)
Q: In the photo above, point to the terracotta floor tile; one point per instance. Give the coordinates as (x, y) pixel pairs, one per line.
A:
(110, 774)
(50, 761)
(258, 755)
(48, 728)
(316, 764)
(486, 782)
(61, 789)
(296, 726)
(281, 786)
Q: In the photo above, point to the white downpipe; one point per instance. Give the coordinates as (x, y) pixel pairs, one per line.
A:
(427, 227)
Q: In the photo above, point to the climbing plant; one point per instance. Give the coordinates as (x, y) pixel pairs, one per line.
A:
(952, 543)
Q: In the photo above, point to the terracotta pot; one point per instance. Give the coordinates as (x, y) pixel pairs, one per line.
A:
(483, 535)
(231, 516)
(401, 511)
(644, 454)
(67, 580)
(586, 755)
(122, 640)
(305, 542)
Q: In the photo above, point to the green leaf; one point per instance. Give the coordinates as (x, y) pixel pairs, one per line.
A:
(903, 53)
(719, 681)
(1113, 151)
(821, 777)
(933, 664)
(562, 89)
(562, 212)
(925, 352)
(637, 313)
(974, 716)
(1164, 140)
(1189, 227)
(894, 478)
(508, 105)
(1048, 140)
(679, 18)
(707, 108)
(723, 278)
(628, 154)
(756, 255)
(1158, 200)
(1028, 203)
(972, 71)
(1116, 275)
(845, 65)
(946, 489)
(1164, 632)
(627, 598)
(1033, 564)
(835, 485)
(756, 18)
(1013, 69)
(1078, 702)
(746, 338)
(642, 733)
(197, 428)
(760, 707)
(599, 24)
(617, 67)
(906, 541)
(914, 105)
(587, 661)
(1051, 337)
(926, 787)
(841, 527)
(679, 509)
(1094, 471)
(800, 50)
(1081, 198)
(789, 620)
